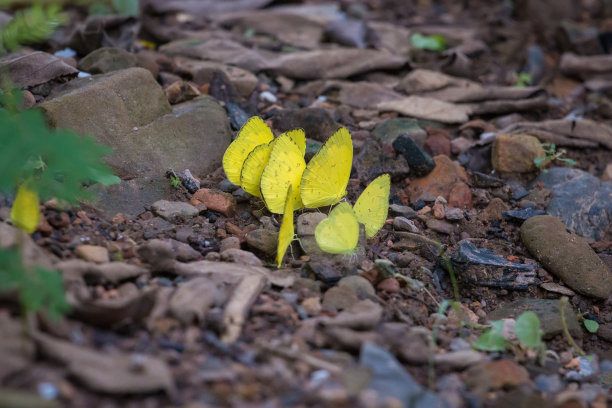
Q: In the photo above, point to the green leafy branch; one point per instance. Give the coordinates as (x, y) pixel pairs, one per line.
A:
(31, 25)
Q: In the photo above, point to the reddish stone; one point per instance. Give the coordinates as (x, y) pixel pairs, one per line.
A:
(439, 182)
(460, 196)
(119, 218)
(83, 217)
(43, 226)
(438, 142)
(215, 200)
(438, 211)
(493, 211)
(390, 285)
(515, 153)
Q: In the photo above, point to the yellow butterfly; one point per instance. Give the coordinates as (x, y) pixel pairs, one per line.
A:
(327, 174)
(284, 169)
(372, 206)
(255, 132)
(339, 232)
(256, 161)
(26, 209)
(285, 234)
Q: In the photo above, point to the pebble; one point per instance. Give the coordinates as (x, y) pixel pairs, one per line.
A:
(493, 211)
(387, 131)
(214, 200)
(438, 142)
(307, 223)
(419, 161)
(170, 210)
(263, 240)
(439, 182)
(227, 186)
(556, 288)
(567, 256)
(453, 214)
(515, 153)
(267, 96)
(438, 211)
(339, 298)
(390, 285)
(586, 370)
(548, 383)
(440, 226)
(360, 286)
(404, 224)
(312, 305)
(229, 243)
(92, 253)
(497, 374)
(522, 214)
(240, 257)
(460, 196)
(403, 210)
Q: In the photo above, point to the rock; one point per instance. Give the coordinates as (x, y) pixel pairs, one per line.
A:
(107, 59)
(318, 123)
(103, 273)
(339, 298)
(567, 256)
(495, 375)
(515, 153)
(404, 224)
(147, 135)
(440, 226)
(453, 214)
(363, 315)
(351, 33)
(36, 68)
(387, 131)
(439, 182)
(556, 288)
(171, 210)
(460, 359)
(494, 210)
(438, 142)
(182, 251)
(547, 310)
(181, 91)
(263, 240)
(460, 144)
(312, 305)
(607, 173)
(307, 223)
(580, 200)
(193, 299)
(460, 196)
(202, 72)
(240, 257)
(548, 383)
(371, 162)
(390, 285)
(605, 332)
(586, 370)
(224, 203)
(419, 161)
(92, 253)
(229, 243)
(403, 210)
(362, 287)
(391, 380)
(522, 214)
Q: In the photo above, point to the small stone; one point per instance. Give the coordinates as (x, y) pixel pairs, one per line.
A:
(59, 220)
(439, 182)
(567, 256)
(339, 298)
(215, 200)
(440, 226)
(548, 383)
(170, 210)
(607, 173)
(403, 210)
(92, 253)
(307, 223)
(312, 305)
(419, 161)
(438, 211)
(181, 91)
(317, 123)
(497, 374)
(515, 153)
(438, 142)
(460, 196)
(229, 243)
(267, 96)
(453, 214)
(263, 240)
(227, 186)
(556, 288)
(119, 218)
(240, 257)
(390, 285)
(388, 131)
(360, 286)
(460, 145)
(404, 224)
(107, 59)
(494, 210)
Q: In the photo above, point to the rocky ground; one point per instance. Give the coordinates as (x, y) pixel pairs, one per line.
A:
(175, 297)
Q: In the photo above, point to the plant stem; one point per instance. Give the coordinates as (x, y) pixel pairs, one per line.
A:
(562, 303)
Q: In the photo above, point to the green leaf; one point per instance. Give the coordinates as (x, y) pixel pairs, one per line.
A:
(492, 340)
(591, 325)
(527, 329)
(31, 25)
(428, 42)
(538, 161)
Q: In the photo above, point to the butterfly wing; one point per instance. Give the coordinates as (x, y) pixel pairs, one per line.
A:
(256, 161)
(372, 206)
(254, 133)
(285, 234)
(339, 232)
(327, 174)
(284, 169)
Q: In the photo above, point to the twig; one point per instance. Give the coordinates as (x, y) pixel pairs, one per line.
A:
(562, 302)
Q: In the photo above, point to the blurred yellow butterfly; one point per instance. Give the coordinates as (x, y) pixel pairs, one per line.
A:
(298, 136)
(285, 234)
(372, 206)
(255, 132)
(339, 232)
(26, 209)
(284, 169)
(327, 174)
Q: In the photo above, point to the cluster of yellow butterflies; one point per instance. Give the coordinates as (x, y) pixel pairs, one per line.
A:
(274, 169)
